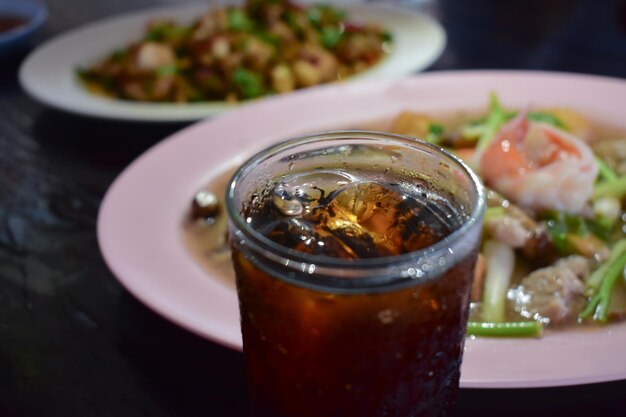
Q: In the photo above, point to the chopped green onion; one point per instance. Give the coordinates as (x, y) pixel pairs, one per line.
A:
(268, 38)
(118, 56)
(548, 118)
(324, 14)
(238, 20)
(250, 83)
(314, 14)
(167, 70)
(505, 329)
(330, 37)
(165, 31)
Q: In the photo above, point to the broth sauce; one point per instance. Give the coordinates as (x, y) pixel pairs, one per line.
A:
(207, 240)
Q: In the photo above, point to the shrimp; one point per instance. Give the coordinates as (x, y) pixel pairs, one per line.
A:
(540, 167)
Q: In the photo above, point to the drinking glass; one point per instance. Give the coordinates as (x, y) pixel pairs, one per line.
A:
(354, 254)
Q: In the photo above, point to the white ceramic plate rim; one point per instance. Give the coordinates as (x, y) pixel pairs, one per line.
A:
(48, 73)
(144, 248)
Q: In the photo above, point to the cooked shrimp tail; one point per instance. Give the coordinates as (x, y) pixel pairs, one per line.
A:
(539, 166)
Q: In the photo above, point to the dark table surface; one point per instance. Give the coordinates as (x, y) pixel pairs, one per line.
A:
(73, 342)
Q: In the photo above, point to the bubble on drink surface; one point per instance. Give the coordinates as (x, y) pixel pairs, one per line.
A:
(286, 202)
(295, 193)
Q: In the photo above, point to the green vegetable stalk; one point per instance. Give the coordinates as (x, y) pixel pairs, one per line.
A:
(601, 283)
(505, 329)
(500, 259)
(495, 119)
(435, 133)
(604, 171)
(609, 183)
(613, 188)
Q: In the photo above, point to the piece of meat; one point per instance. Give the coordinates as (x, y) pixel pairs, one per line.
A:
(518, 230)
(554, 294)
(154, 55)
(508, 230)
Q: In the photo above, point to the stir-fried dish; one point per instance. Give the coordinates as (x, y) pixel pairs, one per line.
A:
(554, 239)
(239, 52)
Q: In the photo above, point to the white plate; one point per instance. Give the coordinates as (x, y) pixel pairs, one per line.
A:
(48, 74)
(144, 248)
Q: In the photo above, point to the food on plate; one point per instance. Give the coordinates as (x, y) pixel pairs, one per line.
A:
(239, 52)
(554, 235)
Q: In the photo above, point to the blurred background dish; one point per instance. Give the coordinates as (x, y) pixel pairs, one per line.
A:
(19, 19)
(48, 74)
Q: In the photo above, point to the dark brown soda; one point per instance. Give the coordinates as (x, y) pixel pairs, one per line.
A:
(324, 354)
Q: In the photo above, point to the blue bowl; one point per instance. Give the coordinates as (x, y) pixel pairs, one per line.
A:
(33, 12)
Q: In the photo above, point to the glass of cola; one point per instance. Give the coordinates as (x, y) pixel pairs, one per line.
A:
(354, 254)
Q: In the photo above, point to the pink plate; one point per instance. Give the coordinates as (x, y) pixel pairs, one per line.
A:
(144, 248)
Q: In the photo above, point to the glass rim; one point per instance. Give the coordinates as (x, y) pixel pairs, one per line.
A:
(282, 252)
